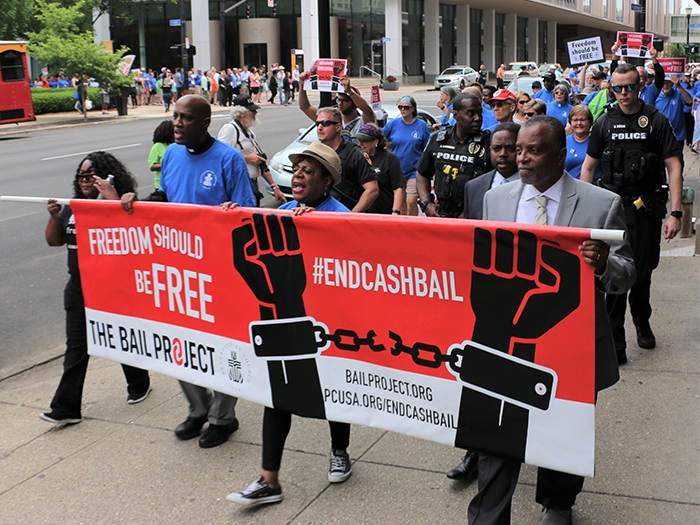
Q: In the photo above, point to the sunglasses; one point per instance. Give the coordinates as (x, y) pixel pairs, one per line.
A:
(326, 123)
(628, 87)
(498, 104)
(529, 113)
(85, 175)
(405, 107)
(523, 101)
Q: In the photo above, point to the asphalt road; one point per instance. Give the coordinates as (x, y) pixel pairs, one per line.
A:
(43, 164)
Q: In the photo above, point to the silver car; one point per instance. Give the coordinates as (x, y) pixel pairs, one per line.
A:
(281, 167)
(456, 76)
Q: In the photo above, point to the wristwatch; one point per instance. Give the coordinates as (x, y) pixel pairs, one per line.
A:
(423, 204)
(677, 214)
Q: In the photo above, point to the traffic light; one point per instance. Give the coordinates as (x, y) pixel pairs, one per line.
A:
(192, 51)
(692, 50)
(247, 12)
(274, 10)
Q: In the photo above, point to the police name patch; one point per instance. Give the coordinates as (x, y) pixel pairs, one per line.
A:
(454, 156)
(629, 136)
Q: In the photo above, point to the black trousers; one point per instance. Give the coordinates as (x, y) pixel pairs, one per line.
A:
(645, 237)
(276, 425)
(66, 402)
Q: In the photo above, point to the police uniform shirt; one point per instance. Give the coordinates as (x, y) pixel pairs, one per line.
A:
(426, 164)
(662, 135)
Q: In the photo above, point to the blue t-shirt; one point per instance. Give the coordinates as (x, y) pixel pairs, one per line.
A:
(330, 204)
(218, 175)
(691, 91)
(559, 111)
(544, 95)
(649, 94)
(407, 142)
(575, 155)
(443, 119)
(672, 106)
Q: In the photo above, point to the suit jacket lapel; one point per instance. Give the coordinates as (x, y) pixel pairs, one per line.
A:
(569, 198)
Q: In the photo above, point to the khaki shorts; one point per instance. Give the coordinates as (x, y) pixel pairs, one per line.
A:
(411, 190)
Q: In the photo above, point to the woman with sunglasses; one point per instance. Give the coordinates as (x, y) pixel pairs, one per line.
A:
(579, 131)
(91, 182)
(407, 137)
(559, 108)
(533, 108)
(523, 97)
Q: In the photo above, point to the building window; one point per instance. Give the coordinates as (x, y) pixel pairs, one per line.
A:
(448, 35)
(605, 8)
(619, 16)
(412, 31)
(542, 42)
(586, 6)
(476, 37)
(500, 47)
(522, 40)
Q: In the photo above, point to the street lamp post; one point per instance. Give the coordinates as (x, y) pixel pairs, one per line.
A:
(688, 10)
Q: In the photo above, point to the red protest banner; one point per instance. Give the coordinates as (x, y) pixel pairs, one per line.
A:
(482, 338)
(324, 75)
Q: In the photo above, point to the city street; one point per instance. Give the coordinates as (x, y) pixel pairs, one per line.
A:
(123, 465)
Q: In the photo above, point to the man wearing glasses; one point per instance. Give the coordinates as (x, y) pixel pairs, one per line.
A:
(636, 142)
(359, 187)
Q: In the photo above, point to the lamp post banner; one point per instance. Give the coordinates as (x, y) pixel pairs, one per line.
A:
(474, 334)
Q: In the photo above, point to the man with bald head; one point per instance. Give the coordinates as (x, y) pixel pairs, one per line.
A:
(199, 169)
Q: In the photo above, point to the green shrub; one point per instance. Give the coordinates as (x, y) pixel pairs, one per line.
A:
(59, 100)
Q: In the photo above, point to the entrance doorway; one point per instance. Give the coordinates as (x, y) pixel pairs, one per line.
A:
(255, 55)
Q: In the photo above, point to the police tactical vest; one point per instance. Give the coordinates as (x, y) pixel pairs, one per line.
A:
(455, 164)
(631, 165)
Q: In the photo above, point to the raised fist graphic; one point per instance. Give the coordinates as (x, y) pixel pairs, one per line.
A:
(267, 254)
(520, 289)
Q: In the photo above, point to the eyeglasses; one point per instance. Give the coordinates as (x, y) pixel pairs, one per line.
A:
(326, 123)
(529, 113)
(579, 120)
(628, 87)
(405, 107)
(85, 175)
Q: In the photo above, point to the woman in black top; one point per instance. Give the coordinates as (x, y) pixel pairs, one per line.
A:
(91, 182)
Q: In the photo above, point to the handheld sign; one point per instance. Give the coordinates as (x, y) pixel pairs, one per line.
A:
(672, 67)
(325, 74)
(585, 50)
(634, 44)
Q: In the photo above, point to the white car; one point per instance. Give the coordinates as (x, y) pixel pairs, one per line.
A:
(513, 70)
(456, 76)
(281, 167)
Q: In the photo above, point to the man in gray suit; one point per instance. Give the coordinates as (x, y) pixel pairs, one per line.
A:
(546, 194)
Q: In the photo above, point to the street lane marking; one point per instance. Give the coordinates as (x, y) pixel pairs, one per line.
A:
(86, 152)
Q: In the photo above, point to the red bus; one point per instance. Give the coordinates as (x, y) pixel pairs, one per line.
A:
(15, 95)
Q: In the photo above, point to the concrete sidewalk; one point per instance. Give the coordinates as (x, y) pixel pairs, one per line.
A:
(123, 465)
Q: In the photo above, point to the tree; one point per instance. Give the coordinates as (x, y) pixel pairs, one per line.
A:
(62, 46)
(15, 19)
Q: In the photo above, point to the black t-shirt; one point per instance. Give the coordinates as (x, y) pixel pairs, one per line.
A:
(66, 220)
(356, 170)
(390, 177)
(662, 135)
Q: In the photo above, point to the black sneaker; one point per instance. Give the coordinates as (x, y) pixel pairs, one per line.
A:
(57, 420)
(137, 397)
(339, 467)
(257, 493)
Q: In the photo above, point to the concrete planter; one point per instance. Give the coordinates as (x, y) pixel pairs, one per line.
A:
(390, 86)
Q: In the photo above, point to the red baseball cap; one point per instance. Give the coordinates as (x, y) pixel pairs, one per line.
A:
(502, 94)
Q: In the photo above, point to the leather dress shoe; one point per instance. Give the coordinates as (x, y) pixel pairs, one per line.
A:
(556, 517)
(645, 337)
(215, 435)
(190, 428)
(467, 468)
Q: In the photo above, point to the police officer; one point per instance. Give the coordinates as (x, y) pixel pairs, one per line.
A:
(636, 142)
(454, 155)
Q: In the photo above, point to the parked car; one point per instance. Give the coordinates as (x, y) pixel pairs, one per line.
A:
(523, 84)
(513, 70)
(456, 76)
(281, 167)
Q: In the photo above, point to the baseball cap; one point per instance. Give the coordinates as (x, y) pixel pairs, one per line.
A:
(600, 76)
(550, 75)
(245, 101)
(325, 155)
(502, 94)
